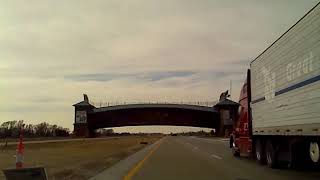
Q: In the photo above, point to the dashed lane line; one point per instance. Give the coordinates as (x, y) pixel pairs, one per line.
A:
(216, 156)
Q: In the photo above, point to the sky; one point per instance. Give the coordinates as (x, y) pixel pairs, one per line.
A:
(51, 52)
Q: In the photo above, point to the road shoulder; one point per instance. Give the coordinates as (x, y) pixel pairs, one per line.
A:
(119, 170)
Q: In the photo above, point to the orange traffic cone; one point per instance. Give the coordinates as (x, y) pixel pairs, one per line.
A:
(19, 156)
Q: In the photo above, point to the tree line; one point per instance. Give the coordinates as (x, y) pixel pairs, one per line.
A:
(110, 132)
(197, 133)
(12, 129)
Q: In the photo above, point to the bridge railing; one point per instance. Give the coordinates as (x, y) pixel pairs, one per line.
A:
(115, 103)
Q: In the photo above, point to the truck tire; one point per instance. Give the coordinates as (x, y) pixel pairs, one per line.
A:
(231, 142)
(304, 155)
(271, 155)
(314, 152)
(235, 150)
(235, 153)
(259, 152)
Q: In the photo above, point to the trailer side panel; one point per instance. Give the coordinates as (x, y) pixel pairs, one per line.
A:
(285, 82)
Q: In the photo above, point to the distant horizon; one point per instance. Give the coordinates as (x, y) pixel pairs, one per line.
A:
(142, 128)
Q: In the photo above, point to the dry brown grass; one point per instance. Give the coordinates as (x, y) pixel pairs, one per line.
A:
(74, 159)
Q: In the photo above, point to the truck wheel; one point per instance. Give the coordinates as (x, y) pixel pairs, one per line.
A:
(259, 152)
(271, 155)
(305, 155)
(231, 142)
(314, 152)
(235, 151)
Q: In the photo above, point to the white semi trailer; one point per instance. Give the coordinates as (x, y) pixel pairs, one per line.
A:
(279, 116)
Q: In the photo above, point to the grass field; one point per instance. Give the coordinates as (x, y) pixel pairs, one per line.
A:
(35, 139)
(74, 160)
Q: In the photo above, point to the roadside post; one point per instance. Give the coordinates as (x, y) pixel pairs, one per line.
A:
(19, 153)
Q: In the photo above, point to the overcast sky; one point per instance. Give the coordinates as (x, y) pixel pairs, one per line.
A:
(51, 52)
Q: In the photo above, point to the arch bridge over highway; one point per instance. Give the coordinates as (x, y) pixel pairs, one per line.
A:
(88, 118)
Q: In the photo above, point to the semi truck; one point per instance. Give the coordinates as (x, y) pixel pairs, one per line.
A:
(278, 120)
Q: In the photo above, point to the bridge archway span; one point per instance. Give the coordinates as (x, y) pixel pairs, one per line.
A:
(89, 118)
(153, 114)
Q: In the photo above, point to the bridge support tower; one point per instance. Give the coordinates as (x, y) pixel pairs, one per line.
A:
(228, 112)
(81, 126)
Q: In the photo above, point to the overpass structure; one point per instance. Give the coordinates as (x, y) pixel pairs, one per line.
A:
(88, 118)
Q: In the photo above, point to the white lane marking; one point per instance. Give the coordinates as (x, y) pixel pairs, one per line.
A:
(224, 140)
(216, 156)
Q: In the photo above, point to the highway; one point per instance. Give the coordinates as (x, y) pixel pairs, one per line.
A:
(200, 158)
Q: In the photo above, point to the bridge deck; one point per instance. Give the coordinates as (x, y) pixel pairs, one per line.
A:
(138, 106)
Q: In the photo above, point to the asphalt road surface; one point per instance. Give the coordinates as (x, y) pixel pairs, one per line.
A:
(198, 158)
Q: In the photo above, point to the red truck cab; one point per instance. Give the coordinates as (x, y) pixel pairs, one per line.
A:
(241, 137)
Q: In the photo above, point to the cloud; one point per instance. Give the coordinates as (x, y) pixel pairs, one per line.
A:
(96, 77)
(52, 51)
(156, 76)
(151, 76)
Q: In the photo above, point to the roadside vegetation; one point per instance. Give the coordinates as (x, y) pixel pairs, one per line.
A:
(12, 129)
(75, 159)
(195, 133)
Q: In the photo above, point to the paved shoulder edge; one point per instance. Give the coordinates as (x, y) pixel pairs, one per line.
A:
(119, 170)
